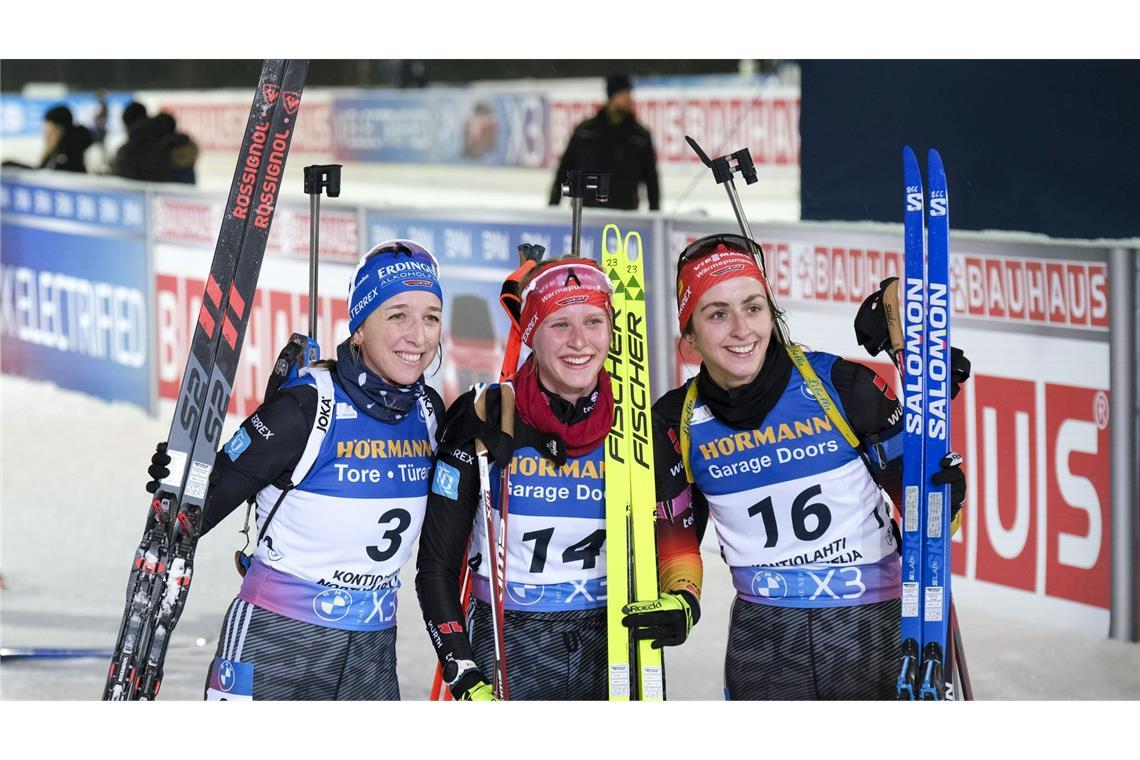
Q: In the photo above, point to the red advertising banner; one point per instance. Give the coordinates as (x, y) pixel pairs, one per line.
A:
(767, 124)
(195, 221)
(218, 126)
(274, 316)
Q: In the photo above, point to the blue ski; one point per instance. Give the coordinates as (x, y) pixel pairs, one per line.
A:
(936, 508)
(912, 366)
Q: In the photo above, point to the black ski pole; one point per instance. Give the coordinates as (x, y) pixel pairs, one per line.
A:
(723, 168)
(318, 177)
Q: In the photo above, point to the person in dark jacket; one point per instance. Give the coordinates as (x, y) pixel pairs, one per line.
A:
(141, 157)
(65, 142)
(613, 141)
(180, 151)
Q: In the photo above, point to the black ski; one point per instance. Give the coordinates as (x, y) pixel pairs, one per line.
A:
(160, 577)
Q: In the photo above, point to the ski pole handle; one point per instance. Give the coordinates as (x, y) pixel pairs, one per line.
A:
(575, 186)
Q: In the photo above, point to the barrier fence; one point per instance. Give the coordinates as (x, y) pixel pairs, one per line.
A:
(101, 286)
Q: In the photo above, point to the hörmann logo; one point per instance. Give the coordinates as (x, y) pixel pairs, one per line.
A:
(750, 439)
(380, 448)
(537, 466)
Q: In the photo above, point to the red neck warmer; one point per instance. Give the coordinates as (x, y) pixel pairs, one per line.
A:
(533, 405)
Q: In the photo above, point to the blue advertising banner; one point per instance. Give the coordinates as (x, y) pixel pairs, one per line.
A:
(479, 244)
(492, 129)
(24, 117)
(74, 290)
(442, 126)
(395, 128)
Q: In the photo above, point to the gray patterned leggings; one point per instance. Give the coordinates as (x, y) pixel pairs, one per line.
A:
(821, 653)
(550, 655)
(296, 660)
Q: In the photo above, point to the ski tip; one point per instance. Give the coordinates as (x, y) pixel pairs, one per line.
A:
(934, 162)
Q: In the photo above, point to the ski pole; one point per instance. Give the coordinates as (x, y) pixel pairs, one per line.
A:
(318, 177)
(723, 169)
(529, 257)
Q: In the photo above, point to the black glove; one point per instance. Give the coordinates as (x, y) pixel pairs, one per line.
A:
(959, 370)
(158, 470)
(951, 474)
(666, 621)
(872, 334)
(460, 428)
(871, 321)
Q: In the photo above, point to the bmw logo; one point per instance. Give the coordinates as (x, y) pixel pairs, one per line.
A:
(332, 604)
(524, 594)
(769, 585)
(226, 676)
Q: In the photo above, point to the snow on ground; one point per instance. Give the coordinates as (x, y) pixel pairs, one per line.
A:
(72, 508)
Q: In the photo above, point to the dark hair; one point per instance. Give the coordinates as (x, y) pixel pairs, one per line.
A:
(60, 115)
(165, 123)
(616, 83)
(132, 112)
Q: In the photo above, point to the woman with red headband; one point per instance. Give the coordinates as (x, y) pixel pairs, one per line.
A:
(793, 491)
(555, 609)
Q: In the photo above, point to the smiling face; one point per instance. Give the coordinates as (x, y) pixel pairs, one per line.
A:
(570, 347)
(731, 328)
(401, 337)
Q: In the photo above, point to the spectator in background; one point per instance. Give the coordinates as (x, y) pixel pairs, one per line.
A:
(613, 141)
(65, 142)
(140, 157)
(178, 149)
(132, 112)
(155, 151)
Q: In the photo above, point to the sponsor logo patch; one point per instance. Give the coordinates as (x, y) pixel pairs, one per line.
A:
(446, 481)
(239, 443)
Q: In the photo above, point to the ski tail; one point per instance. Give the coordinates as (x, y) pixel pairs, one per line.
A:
(936, 520)
(913, 372)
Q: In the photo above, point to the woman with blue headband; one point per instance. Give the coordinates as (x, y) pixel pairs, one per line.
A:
(338, 464)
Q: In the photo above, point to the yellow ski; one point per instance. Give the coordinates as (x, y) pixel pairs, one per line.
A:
(631, 540)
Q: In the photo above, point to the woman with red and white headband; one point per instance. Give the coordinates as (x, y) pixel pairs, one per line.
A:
(794, 496)
(555, 609)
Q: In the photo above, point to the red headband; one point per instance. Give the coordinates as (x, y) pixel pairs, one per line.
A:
(699, 275)
(568, 283)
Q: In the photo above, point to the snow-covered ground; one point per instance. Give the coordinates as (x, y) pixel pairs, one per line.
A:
(73, 506)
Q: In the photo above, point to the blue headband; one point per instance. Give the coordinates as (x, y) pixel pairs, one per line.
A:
(389, 269)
